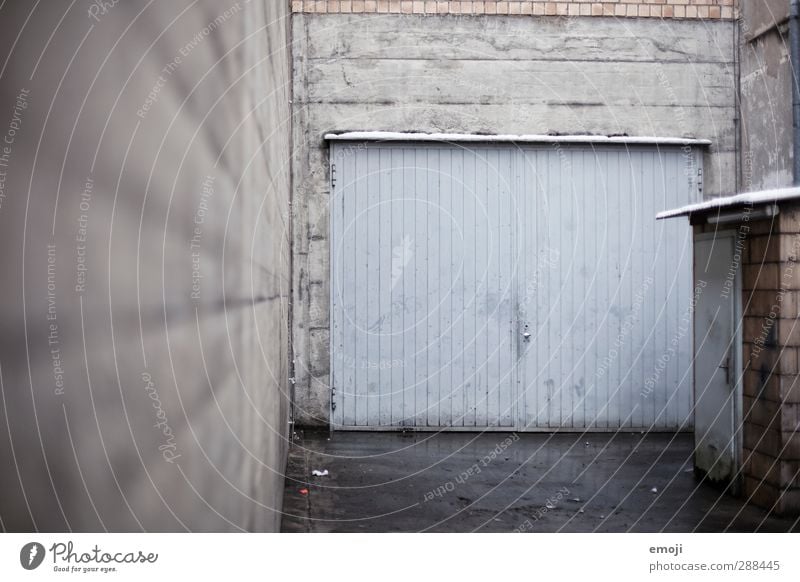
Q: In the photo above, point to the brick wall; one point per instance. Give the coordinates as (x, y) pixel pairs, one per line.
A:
(771, 338)
(704, 9)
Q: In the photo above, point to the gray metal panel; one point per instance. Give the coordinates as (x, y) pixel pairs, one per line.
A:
(608, 312)
(441, 254)
(717, 343)
(421, 294)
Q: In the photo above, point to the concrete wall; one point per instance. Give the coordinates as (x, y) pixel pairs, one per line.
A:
(498, 74)
(766, 95)
(145, 265)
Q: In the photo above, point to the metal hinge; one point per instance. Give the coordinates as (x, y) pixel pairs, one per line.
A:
(333, 398)
(333, 176)
(700, 183)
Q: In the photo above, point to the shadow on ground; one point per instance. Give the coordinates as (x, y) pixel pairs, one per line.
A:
(504, 482)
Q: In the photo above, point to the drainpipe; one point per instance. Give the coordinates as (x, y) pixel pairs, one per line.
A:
(794, 59)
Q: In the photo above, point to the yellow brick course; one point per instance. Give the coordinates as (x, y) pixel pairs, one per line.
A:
(692, 9)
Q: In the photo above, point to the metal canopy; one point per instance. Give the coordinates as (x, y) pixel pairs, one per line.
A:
(746, 199)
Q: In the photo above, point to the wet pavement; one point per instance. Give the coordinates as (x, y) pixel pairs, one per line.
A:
(505, 482)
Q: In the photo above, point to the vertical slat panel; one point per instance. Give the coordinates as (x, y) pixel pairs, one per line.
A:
(493, 288)
(557, 320)
(652, 334)
(618, 185)
(675, 271)
(638, 410)
(602, 241)
(644, 411)
(621, 201)
(421, 301)
(628, 212)
(646, 240)
(589, 201)
(564, 328)
(570, 300)
(601, 238)
(541, 210)
(616, 173)
(545, 212)
(665, 264)
(486, 177)
(657, 267)
(348, 288)
(371, 214)
(387, 359)
(470, 285)
(634, 268)
(505, 315)
(524, 234)
(396, 267)
(360, 291)
(683, 250)
(409, 290)
(640, 334)
(581, 286)
(448, 279)
(434, 339)
(684, 299)
(459, 266)
(653, 202)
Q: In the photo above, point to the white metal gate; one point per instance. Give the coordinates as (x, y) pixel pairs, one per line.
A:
(510, 286)
(717, 341)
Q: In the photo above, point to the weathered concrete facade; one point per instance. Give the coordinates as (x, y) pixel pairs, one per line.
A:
(766, 96)
(145, 264)
(494, 75)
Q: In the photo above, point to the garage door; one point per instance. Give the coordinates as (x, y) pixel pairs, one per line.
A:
(510, 287)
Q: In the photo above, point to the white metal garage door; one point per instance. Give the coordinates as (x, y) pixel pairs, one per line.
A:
(507, 286)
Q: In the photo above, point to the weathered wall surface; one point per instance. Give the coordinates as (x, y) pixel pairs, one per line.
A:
(771, 338)
(766, 95)
(770, 275)
(145, 265)
(498, 74)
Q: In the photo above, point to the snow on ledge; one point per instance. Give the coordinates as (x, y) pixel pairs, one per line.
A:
(763, 197)
(473, 138)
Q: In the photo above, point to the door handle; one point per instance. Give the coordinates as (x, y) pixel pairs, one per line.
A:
(526, 336)
(727, 367)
